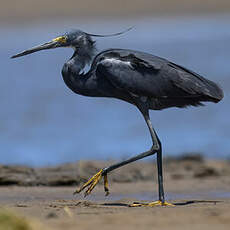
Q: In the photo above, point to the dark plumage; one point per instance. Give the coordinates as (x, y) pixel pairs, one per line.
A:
(142, 79)
(164, 83)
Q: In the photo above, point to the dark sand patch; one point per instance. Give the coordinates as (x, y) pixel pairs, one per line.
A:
(185, 167)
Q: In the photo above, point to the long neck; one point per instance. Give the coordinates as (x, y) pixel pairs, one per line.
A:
(78, 82)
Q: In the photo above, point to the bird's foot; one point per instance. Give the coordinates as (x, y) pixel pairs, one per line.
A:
(151, 204)
(92, 182)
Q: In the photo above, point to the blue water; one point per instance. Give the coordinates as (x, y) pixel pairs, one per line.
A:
(44, 123)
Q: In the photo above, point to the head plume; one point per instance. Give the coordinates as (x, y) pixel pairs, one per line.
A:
(109, 35)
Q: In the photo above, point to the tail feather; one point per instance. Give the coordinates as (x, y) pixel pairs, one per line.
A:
(216, 93)
(206, 89)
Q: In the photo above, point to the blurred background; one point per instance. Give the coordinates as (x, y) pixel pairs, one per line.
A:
(43, 123)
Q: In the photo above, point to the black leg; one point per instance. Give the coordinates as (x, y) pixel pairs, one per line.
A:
(155, 147)
(158, 148)
(160, 173)
(130, 160)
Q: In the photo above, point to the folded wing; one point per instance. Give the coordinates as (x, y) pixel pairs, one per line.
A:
(147, 75)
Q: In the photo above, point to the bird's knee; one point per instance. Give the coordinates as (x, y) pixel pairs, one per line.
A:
(155, 148)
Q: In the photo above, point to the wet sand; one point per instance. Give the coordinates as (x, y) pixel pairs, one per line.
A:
(200, 190)
(56, 208)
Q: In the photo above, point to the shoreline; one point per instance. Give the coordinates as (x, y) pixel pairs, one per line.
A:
(175, 168)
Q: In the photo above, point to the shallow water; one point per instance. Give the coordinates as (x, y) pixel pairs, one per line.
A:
(43, 122)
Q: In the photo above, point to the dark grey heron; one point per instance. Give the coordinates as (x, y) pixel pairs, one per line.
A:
(144, 80)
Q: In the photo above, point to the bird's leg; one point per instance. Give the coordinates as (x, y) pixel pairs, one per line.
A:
(160, 172)
(158, 148)
(92, 182)
(161, 201)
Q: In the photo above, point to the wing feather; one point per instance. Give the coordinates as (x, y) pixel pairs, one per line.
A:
(147, 75)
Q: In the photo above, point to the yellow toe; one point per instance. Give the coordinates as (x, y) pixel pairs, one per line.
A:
(92, 182)
(152, 204)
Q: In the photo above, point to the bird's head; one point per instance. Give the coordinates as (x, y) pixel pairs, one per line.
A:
(81, 42)
(76, 39)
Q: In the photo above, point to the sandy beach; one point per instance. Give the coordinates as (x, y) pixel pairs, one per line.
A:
(47, 206)
(199, 189)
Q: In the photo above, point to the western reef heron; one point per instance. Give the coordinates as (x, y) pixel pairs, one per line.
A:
(144, 80)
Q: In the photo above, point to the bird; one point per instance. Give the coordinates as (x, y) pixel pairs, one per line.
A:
(144, 80)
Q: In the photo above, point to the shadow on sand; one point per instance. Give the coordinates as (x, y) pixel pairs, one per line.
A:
(183, 203)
